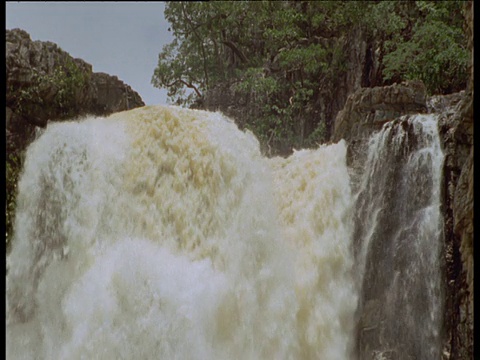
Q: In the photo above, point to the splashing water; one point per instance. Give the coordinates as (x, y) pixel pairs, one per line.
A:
(398, 242)
(162, 233)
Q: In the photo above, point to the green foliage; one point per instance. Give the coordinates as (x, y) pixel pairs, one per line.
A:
(57, 90)
(193, 60)
(318, 136)
(285, 56)
(13, 167)
(274, 54)
(432, 47)
(254, 81)
(69, 80)
(310, 59)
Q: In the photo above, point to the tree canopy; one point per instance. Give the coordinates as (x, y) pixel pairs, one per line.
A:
(284, 56)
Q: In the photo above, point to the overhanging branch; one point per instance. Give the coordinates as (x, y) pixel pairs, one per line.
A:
(236, 50)
(187, 84)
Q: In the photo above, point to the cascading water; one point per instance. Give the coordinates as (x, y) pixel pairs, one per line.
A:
(162, 233)
(398, 242)
(313, 194)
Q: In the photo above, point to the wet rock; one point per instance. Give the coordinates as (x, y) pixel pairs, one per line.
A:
(367, 109)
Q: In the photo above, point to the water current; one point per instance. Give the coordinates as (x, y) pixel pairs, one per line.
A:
(163, 233)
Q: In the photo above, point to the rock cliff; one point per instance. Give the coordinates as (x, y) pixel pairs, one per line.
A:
(368, 109)
(365, 112)
(456, 129)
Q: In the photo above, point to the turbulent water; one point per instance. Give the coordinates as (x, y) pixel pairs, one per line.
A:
(398, 242)
(162, 233)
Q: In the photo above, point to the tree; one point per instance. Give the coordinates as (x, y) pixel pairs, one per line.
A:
(431, 45)
(286, 57)
(276, 54)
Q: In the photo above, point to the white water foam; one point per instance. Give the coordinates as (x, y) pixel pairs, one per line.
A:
(162, 232)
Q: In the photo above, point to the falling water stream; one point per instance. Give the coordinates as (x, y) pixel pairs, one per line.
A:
(163, 233)
(398, 242)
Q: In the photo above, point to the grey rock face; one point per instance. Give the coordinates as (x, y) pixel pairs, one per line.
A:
(34, 71)
(456, 128)
(367, 109)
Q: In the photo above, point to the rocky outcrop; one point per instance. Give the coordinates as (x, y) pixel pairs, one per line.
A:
(110, 95)
(367, 110)
(44, 83)
(444, 103)
(456, 128)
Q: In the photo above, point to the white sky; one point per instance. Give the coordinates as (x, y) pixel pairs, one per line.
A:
(118, 38)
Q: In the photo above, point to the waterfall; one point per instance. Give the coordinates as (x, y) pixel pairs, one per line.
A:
(163, 233)
(398, 242)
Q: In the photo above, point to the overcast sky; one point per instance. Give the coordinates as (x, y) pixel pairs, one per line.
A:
(118, 38)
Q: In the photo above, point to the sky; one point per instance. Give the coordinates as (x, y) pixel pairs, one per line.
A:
(117, 38)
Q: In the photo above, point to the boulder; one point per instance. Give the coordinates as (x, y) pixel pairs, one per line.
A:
(367, 109)
(112, 95)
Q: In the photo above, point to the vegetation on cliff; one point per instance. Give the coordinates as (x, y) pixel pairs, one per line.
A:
(426, 42)
(286, 58)
(57, 90)
(12, 173)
